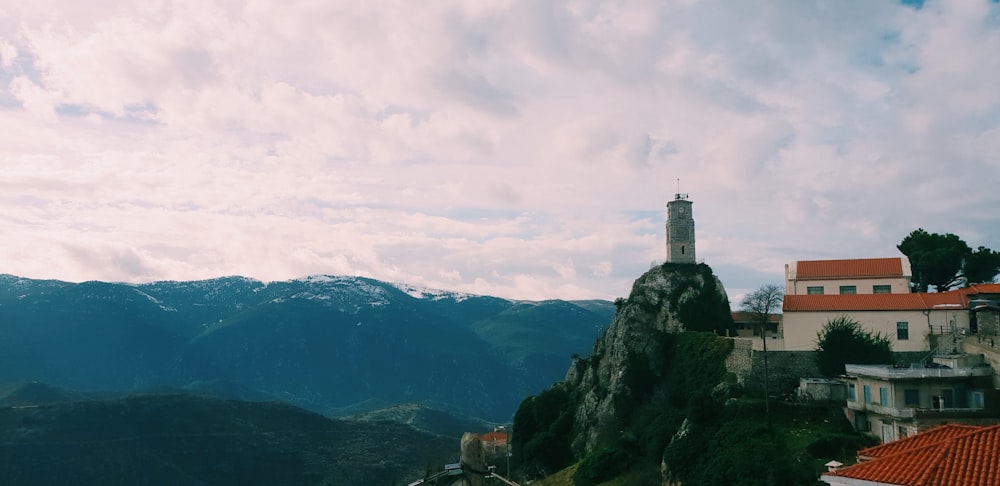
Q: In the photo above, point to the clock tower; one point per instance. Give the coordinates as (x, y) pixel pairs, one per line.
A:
(680, 230)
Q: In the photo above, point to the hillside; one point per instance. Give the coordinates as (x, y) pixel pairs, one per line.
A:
(654, 403)
(189, 439)
(330, 344)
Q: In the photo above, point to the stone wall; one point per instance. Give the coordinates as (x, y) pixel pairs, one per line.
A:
(740, 359)
(989, 347)
(785, 368)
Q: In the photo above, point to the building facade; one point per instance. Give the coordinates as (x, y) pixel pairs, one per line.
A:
(893, 403)
(876, 293)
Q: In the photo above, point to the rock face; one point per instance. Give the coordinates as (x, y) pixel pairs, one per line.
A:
(628, 367)
(629, 357)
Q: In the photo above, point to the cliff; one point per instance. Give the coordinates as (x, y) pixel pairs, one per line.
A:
(612, 397)
(654, 404)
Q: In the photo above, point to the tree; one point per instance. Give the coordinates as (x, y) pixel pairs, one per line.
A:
(762, 303)
(936, 259)
(842, 340)
(982, 266)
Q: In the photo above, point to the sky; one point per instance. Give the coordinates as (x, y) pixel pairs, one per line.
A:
(524, 149)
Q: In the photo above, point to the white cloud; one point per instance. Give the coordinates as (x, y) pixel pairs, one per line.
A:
(517, 148)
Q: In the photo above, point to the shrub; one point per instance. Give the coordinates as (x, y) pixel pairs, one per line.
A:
(601, 465)
(842, 340)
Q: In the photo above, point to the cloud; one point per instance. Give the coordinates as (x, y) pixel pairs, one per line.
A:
(524, 149)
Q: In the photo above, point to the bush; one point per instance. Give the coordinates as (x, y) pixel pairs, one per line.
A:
(601, 465)
(842, 340)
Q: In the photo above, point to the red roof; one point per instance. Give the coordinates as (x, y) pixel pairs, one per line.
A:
(874, 302)
(927, 437)
(861, 267)
(494, 436)
(976, 289)
(969, 459)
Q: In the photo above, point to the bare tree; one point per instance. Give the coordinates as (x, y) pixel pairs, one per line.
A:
(762, 303)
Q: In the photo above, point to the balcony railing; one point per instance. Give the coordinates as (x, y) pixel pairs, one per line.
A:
(906, 413)
(888, 372)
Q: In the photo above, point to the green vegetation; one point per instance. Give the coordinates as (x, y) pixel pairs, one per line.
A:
(191, 439)
(692, 418)
(946, 261)
(706, 310)
(541, 443)
(842, 340)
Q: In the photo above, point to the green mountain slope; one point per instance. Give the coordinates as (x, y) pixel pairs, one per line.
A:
(188, 439)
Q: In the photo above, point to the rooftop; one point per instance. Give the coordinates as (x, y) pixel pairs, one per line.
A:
(928, 437)
(955, 459)
(854, 268)
(860, 302)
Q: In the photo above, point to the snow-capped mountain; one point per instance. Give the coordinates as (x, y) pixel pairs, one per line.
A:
(330, 343)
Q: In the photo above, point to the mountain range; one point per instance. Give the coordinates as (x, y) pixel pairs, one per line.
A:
(334, 345)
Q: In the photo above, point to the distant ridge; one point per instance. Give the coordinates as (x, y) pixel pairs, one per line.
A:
(188, 439)
(323, 342)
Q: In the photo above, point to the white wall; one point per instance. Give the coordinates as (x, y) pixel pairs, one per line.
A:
(801, 328)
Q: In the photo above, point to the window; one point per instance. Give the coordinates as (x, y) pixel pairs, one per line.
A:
(903, 432)
(977, 400)
(911, 397)
(882, 289)
(883, 396)
(902, 331)
(818, 290)
(868, 393)
(848, 289)
(851, 394)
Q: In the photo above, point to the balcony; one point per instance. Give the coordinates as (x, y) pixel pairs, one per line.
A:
(909, 413)
(886, 372)
(904, 413)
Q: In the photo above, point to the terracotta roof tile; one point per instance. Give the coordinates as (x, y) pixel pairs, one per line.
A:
(863, 302)
(493, 436)
(861, 267)
(922, 439)
(976, 289)
(970, 459)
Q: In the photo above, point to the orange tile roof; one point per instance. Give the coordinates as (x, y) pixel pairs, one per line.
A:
(861, 267)
(970, 459)
(876, 302)
(976, 289)
(493, 436)
(927, 437)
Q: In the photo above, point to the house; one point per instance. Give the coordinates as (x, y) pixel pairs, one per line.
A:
(984, 305)
(876, 293)
(946, 456)
(892, 403)
(495, 441)
(854, 276)
(909, 320)
(747, 326)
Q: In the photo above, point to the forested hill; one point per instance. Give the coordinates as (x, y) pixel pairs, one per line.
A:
(167, 439)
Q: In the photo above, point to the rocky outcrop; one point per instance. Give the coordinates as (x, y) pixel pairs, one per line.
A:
(630, 359)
